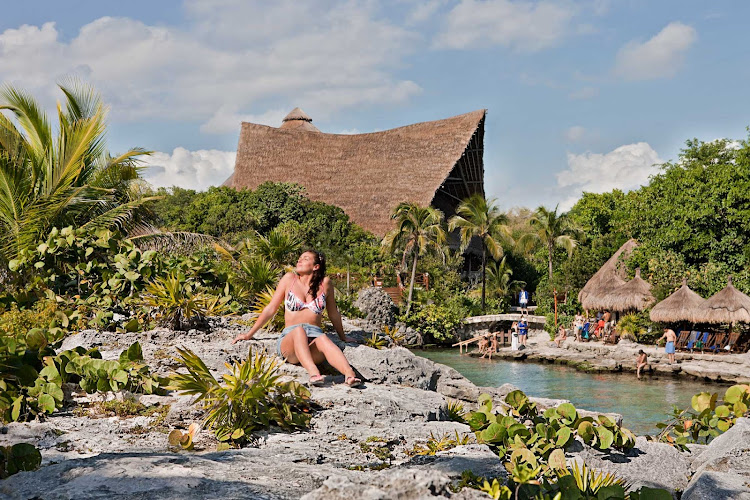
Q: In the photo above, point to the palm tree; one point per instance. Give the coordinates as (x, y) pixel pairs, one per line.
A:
(419, 230)
(551, 229)
(499, 279)
(278, 246)
(478, 217)
(61, 179)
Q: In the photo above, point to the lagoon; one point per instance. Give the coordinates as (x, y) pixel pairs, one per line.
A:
(642, 403)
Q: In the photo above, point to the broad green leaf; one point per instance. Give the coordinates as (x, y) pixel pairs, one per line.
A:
(46, 403)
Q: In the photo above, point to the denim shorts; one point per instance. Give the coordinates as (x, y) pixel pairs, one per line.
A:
(312, 332)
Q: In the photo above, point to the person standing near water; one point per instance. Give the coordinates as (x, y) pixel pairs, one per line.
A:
(671, 338)
(523, 331)
(514, 336)
(641, 362)
(523, 300)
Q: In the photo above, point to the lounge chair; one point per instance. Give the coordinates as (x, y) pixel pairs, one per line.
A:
(702, 340)
(718, 342)
(682, 339)
(692, 339)
(731, 344)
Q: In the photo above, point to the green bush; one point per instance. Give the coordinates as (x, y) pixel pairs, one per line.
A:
(15, 321)
(438, 322)
(531, 446)
(250, 398)
(33, 375)
(706, 418)
(17, 458)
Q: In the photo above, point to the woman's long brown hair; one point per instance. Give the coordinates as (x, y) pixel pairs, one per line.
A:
(318, 274)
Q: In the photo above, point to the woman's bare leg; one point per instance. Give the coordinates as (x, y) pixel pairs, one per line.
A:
(296, 349)
(332, 354)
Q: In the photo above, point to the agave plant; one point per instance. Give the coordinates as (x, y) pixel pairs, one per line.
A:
(175, 302)
(262, 300)
(256, 274)
(394, 336)
(375, 341)
(589, 481)
(250, 397)
(62, 179)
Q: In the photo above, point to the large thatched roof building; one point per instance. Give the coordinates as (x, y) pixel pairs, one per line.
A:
(436, 163)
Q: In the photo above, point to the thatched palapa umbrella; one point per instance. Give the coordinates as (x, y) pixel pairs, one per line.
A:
(607, 279)
(635, 295)
(682, 305)
(728, 305)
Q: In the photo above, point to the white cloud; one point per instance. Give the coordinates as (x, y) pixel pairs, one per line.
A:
(226, 119)
(425, 10)
(521, 25)
(584, 94)
(626, 167)
(190, 169)
(660, 57)
(230, 61)
(575, 133)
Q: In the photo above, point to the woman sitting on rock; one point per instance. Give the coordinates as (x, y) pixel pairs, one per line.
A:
(306, 293)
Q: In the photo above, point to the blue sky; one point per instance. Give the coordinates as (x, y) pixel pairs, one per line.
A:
(585, 95)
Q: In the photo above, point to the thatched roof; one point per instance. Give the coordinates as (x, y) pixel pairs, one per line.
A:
(607, 279)
(682, 305)
(635, 295)
(298, 120)
(728, 305)
(368, 175)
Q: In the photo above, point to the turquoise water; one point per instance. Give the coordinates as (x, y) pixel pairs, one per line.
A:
(642, 403)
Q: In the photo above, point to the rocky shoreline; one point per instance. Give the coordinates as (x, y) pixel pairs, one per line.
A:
(597, 357)
(357, 446)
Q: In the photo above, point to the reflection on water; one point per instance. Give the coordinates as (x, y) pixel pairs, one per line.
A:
(642, 403)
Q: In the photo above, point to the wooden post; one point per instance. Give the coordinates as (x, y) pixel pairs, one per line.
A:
(554, 291)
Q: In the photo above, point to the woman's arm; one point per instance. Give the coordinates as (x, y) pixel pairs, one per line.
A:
(269, 311)
(333, 311)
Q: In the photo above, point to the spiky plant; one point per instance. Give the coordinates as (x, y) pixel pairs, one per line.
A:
(263, 300)
(174, 302)
(456, 411)
(589, 481)
(256, 274)
(250, 397)
(393, 335)
(375, 341)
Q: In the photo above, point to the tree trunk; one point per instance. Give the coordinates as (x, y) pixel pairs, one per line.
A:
(484, 268)
(411, 283)
(550, 251)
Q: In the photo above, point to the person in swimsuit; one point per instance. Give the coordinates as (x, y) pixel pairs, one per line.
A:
(671, 337)
(641, 362)
(306, 293)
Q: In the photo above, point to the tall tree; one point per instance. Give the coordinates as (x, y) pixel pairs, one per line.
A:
(65, 178)
(478, 217)
(550, 229)
(499, 278)
(418, 230)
